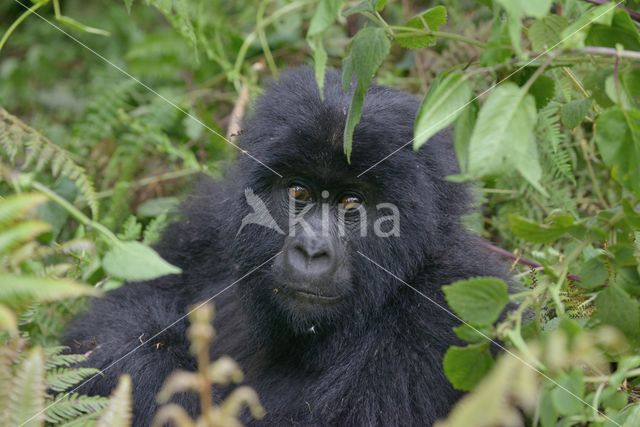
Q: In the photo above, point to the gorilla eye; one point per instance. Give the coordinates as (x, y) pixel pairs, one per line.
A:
(350, 202)
(299, 192)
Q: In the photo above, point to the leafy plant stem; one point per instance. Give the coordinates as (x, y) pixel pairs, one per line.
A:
(73, 211)
(18, 21)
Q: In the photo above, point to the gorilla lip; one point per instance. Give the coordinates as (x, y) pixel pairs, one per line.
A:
(311, 297)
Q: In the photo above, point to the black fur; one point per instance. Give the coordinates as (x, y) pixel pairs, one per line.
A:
(374, 359)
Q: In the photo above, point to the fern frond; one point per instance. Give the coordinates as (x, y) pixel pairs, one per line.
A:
(118, 413)
(26, 400)
(55, 358)
(75, 409)
(553, 142)
(18, 138)
(62, 379)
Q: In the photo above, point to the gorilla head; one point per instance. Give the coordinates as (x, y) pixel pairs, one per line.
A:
(331, 215)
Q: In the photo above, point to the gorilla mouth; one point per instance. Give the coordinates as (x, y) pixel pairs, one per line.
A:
(304, 295)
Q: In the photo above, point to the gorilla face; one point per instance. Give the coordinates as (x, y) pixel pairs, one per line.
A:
(323, 217)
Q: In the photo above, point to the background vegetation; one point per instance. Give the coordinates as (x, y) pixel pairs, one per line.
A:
(109, 110)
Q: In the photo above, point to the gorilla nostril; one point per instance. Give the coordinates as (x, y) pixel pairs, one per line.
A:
(313, 259)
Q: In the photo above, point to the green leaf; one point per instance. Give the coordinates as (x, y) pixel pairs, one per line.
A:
(573, 113)
(324, 16)
(615, 307)
(462, 134)
(593, 273)
(545, 32)
(157, 207)
(15, 206)
(135, 261)
(575, 34)
(520, 8)
(533, 232)
(466, 366)
(567, 400)
(368, 50)
(428, 21)
(15, 289)
(478, 301)
(503, 138)
(543, 91)
(622, 31)
(363, 6)
(617, 134)
(442, 105)
(26, 400)
(473, 335)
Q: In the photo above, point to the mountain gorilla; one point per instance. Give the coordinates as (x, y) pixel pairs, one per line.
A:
(329, 319)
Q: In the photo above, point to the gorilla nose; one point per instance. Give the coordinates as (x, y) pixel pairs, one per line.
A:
(311, 256)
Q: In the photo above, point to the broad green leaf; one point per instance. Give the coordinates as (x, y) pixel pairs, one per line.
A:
(135, 261)
(496, 400)
(368, 50)
(632, 415)
(617, 135)
(473, 334)
(429, 20)
(533, 232)
(615, 307)
(537, 8)
(362, 6)
(466, 366)
(462, 134)
(21, 233)
(324, 16)
(548, 413)
(576, 33)
(17, 289)
(442, 105)
(545, 33)
(543, 91)
(156, 207)
(567, 400)
(478, 301)
(593, 273)
(497, 50)
(630, 79)
(503, 139)
(26, 406)
(622, 31)
(521, 8)
(617, 93)
(573, 113)
(15, 206)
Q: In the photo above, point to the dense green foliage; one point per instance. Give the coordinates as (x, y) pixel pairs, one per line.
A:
(108, 110)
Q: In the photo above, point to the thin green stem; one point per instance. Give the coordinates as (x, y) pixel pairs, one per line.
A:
(263, 38)
(242, 52)
(74, 212)
(18, 21)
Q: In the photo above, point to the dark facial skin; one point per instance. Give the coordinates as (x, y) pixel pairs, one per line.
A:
(323, 334)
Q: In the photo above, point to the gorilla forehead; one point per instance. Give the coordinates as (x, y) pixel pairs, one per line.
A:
(292, 128)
